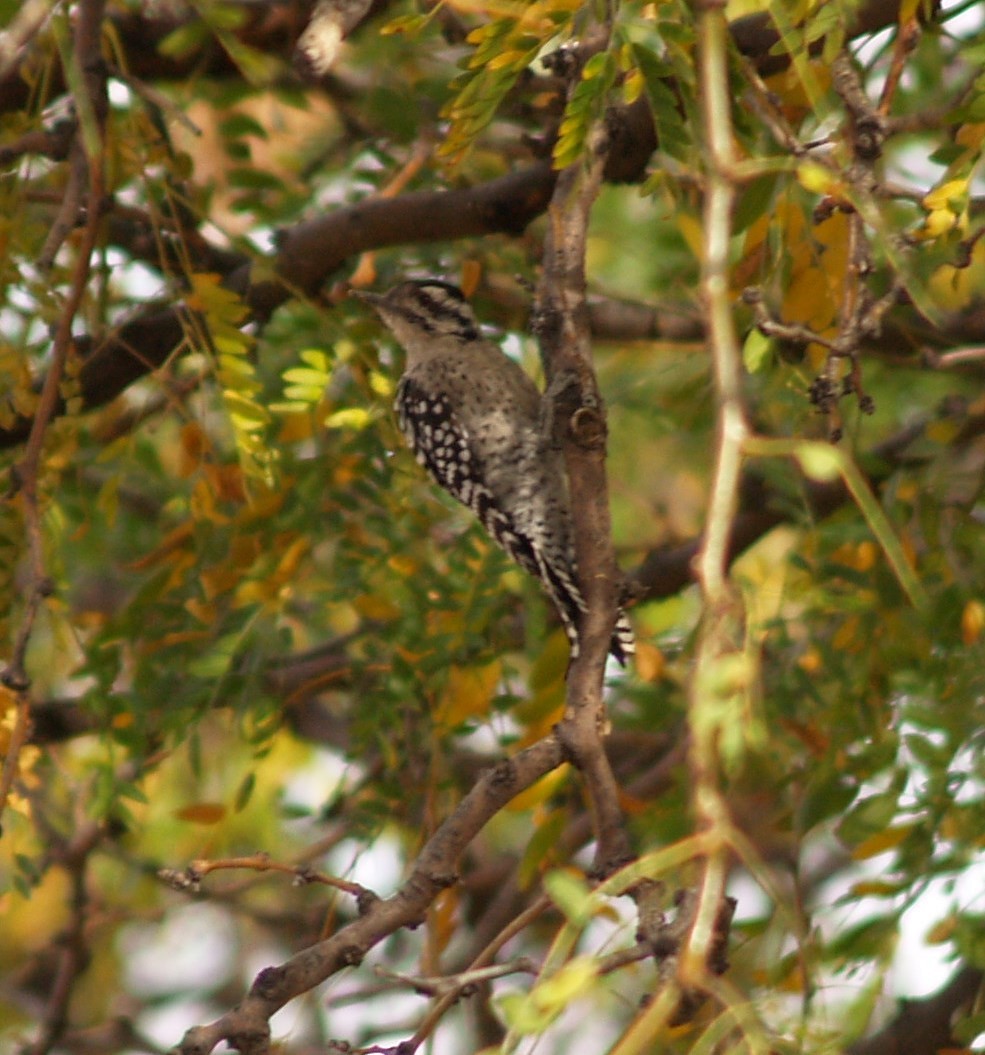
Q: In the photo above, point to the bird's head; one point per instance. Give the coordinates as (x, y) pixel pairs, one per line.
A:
(424, 309)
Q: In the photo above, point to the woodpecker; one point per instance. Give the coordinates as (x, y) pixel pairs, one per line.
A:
(475, 421)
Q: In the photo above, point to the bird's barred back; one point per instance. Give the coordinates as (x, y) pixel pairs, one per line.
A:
(439, 442)
(443, 446)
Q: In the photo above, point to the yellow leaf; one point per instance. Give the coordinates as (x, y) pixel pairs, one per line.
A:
(810, 662)
(820, 461)
(255, 592)
(972, 622)
(874, 888)
(817, 178)
(793, 981)
(471, 276)
(467, 694)
(881, 842)
(402, 565)
(204, 613)
(210, 297)
(202, 813)
(632, 87)
(574, 979)
(8, 700)
(541, 790)
(348, 418)
(942, 931)
(551, 663)
(442, 920)
(289, 562)
(937, 223)
(192, 445)
(846, 637)
(506, 59)
(814, 292)
(692, 232)
(295, 426)
(866, 555)
(950, 196)
(245, 413)
(372, 606)
(942, 432)
(174, 541)
(650, 663)
(381, 384)
(861, 557)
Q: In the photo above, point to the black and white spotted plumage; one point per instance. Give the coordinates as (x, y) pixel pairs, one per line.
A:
(474, 420)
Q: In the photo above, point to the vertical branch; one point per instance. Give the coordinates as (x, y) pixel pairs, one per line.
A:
(719, 647)
(577, 412)
(73, 951)
(86, 160)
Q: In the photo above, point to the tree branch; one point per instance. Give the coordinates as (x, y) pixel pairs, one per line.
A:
(722, 615)
(246, 1027)
(923, 1027)
(579, 426)
(310, 252)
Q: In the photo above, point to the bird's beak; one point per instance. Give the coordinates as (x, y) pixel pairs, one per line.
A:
(373, 299)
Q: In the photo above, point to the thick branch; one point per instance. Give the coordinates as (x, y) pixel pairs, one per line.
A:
(307, 256)
(274, 28)
(312, 251)
(923, 1027)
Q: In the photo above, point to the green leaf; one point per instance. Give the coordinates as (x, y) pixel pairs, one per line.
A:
(242, 124)
(967, 1029)
(245, 412)
(570, 983)
(258, 67)
(571, 894)
(244, 792)
(584, 107)
(348, 418)
(673, 136)
(756, 351)
(969, 939)
(868, 816)
(185, 40)
(820, 461)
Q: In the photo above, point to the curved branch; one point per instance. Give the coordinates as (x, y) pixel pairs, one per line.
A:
(308, 254)
(246, 1027)
(923, 1027)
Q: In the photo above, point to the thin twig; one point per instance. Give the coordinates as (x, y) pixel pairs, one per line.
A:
(191, 877)
(516, 926)
(457, 985)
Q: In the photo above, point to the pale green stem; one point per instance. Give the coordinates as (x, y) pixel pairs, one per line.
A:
(720, 605)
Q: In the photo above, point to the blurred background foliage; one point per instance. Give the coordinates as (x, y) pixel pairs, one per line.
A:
(268, 632)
